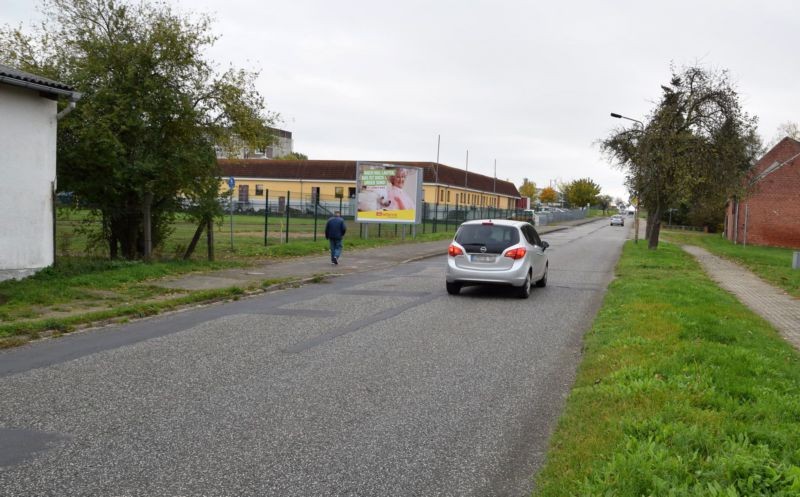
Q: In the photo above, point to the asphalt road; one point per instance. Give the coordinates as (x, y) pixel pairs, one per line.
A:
(374, 384)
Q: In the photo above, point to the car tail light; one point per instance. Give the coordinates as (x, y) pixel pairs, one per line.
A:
(516, 253)
(453, 250)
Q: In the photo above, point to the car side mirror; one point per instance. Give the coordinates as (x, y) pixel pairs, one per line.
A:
(545, 245)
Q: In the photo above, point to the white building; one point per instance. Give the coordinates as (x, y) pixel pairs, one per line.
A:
(28, 122)
(281, 146)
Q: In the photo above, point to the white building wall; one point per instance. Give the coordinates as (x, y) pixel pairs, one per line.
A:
(281, 147)
(28, 170)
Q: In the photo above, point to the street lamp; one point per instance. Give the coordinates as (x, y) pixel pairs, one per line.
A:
(620, 116)
(636, 215)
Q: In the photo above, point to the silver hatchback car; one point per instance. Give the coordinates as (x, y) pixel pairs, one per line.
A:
(497, 252)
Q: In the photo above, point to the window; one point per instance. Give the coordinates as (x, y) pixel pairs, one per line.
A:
(351, 192)
(494, 238)
(259, 190)
(448, 197)
(314, 194)
(339, 192)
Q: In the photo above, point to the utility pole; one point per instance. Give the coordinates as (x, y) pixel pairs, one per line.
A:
(466, 169)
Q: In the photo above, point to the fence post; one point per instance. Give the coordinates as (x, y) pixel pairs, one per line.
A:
(266, 215)
(231, 219)
(316, 204)
(424, 208)
(210, 238)
(288, 193)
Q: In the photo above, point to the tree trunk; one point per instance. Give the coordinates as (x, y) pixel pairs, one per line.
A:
(653, 228)
(195, 238)
(650, 223)
(210, 238)
(147, 227)
(113, 250)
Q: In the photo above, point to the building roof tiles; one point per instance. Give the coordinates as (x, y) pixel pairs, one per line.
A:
(16, 77)
(345, 170)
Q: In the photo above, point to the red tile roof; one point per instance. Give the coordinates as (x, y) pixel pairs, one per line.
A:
(345, 170)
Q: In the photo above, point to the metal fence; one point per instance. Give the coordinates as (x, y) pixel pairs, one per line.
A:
(274, 218)
(547, 218)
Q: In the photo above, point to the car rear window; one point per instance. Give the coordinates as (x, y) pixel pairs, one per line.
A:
(495, 238)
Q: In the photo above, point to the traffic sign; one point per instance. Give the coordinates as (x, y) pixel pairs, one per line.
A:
(231, 182)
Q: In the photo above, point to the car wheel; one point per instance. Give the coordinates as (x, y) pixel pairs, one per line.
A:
(453, 288)
(525, 289)
(543, 282)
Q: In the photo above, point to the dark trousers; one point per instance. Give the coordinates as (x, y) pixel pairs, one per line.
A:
(336, 247)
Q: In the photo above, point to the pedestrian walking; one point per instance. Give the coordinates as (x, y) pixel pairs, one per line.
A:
(334, 233)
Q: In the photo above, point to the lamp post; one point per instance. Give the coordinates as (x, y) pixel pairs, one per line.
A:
(620, 116)
(636, 215)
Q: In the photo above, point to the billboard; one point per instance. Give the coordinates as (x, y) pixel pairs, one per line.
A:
(388, 193)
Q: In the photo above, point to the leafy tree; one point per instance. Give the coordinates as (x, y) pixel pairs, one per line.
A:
(293, 156)
(604, 202)
(528, 189)
(581, 192)
(548, 195)
(142, 137)
(696, 146)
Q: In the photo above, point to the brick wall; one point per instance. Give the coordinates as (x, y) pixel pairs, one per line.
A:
(770, 214)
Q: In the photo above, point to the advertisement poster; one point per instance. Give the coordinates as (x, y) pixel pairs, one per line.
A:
(388, 193)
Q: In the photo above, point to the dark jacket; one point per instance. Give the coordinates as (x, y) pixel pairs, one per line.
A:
(335, 228)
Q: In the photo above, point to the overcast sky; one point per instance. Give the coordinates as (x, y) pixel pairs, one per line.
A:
(529, 84)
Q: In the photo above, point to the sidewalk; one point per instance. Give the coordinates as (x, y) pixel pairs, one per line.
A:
(773, 304)
(307, 268)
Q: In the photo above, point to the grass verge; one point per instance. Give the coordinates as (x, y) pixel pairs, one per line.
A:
(773, 264)
(18, 333)
(682, 392)
(80, 291)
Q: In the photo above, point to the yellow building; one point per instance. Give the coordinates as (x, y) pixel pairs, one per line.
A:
(304, 181)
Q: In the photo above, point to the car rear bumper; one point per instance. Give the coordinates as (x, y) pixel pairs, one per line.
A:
(514, 276)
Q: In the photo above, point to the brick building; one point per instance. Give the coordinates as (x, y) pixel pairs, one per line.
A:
(770, 213)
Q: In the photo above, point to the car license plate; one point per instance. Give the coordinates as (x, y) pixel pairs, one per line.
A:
(482, 258)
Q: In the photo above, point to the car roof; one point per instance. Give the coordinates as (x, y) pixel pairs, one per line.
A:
(498, 222)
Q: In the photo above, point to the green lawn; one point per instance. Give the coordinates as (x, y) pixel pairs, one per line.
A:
(773, 264)
(83, 290)
(682, 392)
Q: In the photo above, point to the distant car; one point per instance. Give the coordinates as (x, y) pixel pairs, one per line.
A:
(617, 221)
(497, 252)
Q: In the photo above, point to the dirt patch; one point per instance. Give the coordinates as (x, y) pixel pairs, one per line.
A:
(103, 294)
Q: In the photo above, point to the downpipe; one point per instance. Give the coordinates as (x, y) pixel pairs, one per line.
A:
(69, 108)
